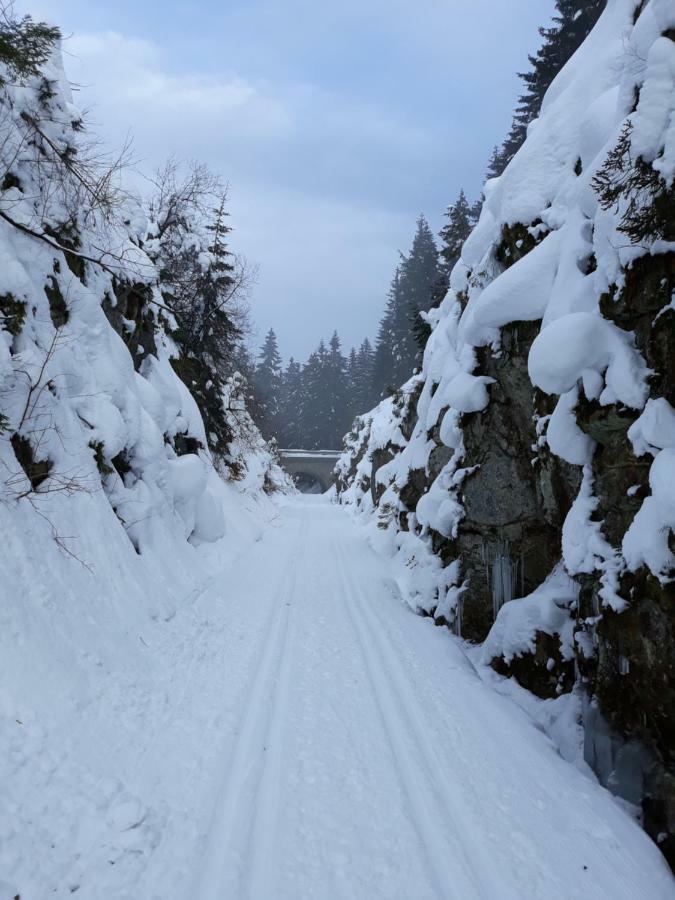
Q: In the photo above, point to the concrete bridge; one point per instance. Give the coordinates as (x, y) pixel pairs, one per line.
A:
(311, 470)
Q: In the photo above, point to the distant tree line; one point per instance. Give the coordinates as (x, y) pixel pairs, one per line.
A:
(313, 405)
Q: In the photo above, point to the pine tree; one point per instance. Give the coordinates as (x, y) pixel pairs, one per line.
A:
(384, 360)
(25, 45)
(422, 285)
(363, 397)
(476, 209)
(336, 395)
(317, 402)
(353, 382)
(313, 405)
(199, 287)
(461, 219)
(290, 426)
(494, 166)
(267, 381)
(572, 23)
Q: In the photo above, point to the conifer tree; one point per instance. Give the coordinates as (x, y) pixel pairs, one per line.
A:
(336, 395)
(422, 285)
(289, 433)
(572, 22)
(461, 219)
(25, 45)
(383, 360)
(201, 286)
(313, 406)
(363, 397)
(494, 166)
(353, 386)
(267, 381)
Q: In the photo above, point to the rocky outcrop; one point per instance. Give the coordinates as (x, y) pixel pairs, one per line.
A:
(518, 494)
(533, 504)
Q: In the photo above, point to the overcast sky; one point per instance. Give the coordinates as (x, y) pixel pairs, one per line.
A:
(335, 124)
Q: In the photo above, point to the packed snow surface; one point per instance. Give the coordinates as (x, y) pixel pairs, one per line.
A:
(293, 731)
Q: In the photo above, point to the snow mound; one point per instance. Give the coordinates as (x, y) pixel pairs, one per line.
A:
(545, 611)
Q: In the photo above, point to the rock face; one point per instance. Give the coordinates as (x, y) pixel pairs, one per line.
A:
(633, 671)
(516, 499)
(530, 498)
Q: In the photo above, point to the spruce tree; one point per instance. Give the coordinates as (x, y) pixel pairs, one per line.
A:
(494, 166)
(267, 380)
(383, 360)
(461, 219)
(572, 23)
(363, 397)
(291, 406)
(199, 287)
(313, 408)
(25, 45)
(336, 395)
(422, 285)
(353, 383)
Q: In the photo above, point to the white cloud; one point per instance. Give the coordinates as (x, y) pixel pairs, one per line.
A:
(297, 158)
(335, 124)
(127, 77)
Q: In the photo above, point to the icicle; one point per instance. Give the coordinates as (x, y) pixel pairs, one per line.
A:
(504, 578)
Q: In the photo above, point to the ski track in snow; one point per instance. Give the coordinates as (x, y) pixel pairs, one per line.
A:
(317, 740)
(420, 770)
(256, 759)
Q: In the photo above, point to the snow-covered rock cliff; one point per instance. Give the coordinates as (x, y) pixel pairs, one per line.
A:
(536, 460)
(112, 513)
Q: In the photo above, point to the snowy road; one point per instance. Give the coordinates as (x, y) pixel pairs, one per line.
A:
(323, 742)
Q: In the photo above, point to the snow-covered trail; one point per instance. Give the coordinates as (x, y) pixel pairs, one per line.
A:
(323, 742)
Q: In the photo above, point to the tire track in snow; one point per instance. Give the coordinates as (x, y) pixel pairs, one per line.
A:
(232, 845)
(419, 768)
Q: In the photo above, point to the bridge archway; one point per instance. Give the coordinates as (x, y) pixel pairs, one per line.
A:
(311, 470)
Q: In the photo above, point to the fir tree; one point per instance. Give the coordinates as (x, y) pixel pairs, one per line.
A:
(353, 385)
(267, 381)
(200, 286)
(461, 219)
(25, 45)
(363, 397)
(494, 166)
(290, 429)
(422, 285)
(336, 395)
(313, 401)
(384, 360)
(572, 23)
